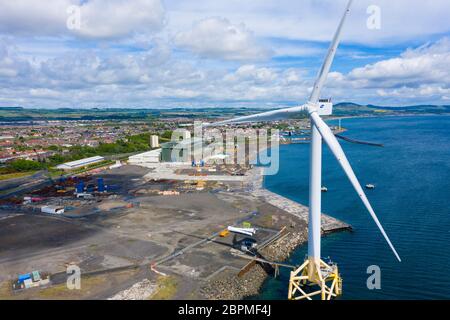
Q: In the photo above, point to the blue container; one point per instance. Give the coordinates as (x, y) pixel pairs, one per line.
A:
(80, 187)
(24, 277)
(101, 185)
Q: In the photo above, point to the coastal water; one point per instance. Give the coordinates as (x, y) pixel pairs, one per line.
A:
(412, 200)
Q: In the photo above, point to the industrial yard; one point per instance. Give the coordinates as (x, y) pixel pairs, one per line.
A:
(148, 232)
(151, 227)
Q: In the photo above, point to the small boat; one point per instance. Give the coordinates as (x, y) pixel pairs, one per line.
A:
(370, 186)
(324, 189)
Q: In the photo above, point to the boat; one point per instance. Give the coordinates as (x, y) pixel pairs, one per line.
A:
(324, 189)
(370, 186)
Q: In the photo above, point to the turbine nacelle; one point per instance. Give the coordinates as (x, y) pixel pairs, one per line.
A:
(324, 107)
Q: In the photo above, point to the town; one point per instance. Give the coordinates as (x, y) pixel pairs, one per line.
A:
(28, 146)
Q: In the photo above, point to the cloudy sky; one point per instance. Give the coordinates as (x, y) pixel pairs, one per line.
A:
(203, 53)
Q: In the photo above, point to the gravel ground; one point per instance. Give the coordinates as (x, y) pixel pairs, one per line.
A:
(139, 291)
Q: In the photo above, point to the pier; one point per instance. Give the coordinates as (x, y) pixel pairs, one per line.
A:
(358, 141)
(329, 224)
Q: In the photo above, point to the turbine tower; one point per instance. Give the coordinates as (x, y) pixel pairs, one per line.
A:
(314, 272)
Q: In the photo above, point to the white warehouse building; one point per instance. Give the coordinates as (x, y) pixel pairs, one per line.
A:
(80, 163)
(154, 141)
(149, 157)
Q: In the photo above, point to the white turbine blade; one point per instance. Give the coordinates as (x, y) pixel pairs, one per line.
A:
(322, 76)
(265, 116)
(335, 147)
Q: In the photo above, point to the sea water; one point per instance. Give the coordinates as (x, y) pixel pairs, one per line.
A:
(412, 200)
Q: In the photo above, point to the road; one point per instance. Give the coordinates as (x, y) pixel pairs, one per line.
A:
(17, 182)
(11, 187)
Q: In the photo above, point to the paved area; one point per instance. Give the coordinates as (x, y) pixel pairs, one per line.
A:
(163, 171)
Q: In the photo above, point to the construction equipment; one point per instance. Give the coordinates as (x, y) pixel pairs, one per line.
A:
(246, 224)
(225, 233)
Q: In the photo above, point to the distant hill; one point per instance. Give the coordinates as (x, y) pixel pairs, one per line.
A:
(353, 109)
(12, 114)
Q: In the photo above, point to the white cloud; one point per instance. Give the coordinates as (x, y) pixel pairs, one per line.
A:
(219, 38)
(11, 65)
(44, 93)
(427, 64)
(156, 78)
(297, 50)
(88, 79)
(421, 94)
(109, 19)
(135, 63)
(251, 73)
(314, 20)
(417, 75)
(99, 18)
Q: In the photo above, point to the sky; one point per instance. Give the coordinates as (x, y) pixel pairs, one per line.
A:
(222, 53)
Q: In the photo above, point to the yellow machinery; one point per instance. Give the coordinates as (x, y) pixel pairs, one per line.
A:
(201, 185)
(224, 233)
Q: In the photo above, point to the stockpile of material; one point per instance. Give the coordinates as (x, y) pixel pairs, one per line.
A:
(139, 291)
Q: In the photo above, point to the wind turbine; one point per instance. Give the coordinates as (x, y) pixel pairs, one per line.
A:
(314, 271)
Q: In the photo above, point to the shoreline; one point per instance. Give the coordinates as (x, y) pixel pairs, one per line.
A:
(279, 251)
(244, 285)
(388, 115)
(301, 211)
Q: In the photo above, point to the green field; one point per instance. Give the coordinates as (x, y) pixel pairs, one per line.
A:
(11, 114)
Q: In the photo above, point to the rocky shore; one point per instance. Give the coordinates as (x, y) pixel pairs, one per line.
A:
(231, 286)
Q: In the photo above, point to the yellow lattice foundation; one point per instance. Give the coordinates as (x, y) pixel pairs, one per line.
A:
(313, 275)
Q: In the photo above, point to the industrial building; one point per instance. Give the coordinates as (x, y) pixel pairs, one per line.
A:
(182, 151)
(185, 135)
(153, 156)
(80, 163)
(154, 141)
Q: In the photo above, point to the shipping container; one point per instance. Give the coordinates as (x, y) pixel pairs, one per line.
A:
(101, 185)
(36, 276)
(80, 187)
(24, 277)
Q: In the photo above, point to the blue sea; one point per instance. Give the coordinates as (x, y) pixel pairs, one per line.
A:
(412, 200)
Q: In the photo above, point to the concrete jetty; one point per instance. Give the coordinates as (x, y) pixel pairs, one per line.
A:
(255, 179)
